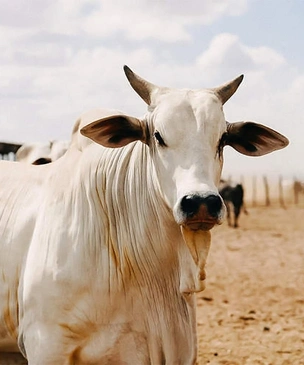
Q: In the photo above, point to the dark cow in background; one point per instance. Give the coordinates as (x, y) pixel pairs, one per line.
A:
(233, 196)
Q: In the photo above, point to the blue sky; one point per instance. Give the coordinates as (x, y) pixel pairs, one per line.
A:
(60, 58)
(274, 23)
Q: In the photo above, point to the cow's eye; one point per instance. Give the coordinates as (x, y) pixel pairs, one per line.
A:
(159, 139)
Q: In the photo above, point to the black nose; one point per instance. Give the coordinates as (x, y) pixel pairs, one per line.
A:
(190, 204)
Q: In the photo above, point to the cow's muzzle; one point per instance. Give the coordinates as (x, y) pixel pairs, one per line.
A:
(198, 212)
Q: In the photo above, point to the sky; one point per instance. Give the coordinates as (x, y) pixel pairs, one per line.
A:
(60, 58)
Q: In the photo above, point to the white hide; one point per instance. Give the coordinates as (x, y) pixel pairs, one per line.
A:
(31, 152)
(58, 149)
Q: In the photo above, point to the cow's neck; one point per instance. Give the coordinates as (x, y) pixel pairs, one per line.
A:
(142, 239)
(141, 258)
(141, 224)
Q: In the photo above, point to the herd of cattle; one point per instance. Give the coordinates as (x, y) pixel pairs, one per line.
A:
(103, 249)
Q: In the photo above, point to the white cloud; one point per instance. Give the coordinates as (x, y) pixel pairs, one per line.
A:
(164, 20)
(23, 14)
(266, 57)
(227, 55)
(139, 27)
(49, 98)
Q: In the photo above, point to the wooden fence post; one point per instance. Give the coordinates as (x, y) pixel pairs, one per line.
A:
(281, 195)
(254, 191)
(267, 200)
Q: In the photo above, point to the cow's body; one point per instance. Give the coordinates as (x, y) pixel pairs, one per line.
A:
(102, 265)
(233, 195)
(117, 306)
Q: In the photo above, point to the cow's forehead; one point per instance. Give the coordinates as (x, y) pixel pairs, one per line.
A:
(186, 107)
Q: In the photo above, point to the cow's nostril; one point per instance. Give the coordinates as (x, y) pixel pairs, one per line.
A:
(190, 204)
(214, 204)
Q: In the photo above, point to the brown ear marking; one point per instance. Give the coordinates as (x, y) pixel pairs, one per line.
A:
(114, 131)
(253, 139)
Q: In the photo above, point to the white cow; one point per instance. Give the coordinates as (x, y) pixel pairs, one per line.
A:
(41, 153)
(103, 250)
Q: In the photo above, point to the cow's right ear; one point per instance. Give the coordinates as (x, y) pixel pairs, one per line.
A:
(253, 139)
(115, 131)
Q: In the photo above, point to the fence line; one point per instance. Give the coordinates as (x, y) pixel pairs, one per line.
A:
(268, 191)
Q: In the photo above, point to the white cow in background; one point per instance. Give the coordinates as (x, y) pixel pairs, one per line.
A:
(41, 153)
(58, 149)
(103, 250)
(77, 139)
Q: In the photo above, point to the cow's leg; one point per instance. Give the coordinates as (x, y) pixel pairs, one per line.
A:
(237, 210)
(228, 213)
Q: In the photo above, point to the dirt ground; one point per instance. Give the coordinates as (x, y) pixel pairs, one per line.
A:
(252, 311)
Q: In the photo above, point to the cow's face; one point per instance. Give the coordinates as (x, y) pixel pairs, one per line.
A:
(186, 132)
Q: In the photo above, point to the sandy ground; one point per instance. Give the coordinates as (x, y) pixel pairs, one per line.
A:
(252, 311)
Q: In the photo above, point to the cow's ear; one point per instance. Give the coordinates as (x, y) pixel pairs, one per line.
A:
(115, 131)
(253, 139)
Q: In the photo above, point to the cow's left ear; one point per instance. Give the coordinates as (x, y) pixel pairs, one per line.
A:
(253, 139)
(115, 131)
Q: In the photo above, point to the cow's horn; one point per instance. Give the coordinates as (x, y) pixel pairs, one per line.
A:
(143, 88)
(225, 91)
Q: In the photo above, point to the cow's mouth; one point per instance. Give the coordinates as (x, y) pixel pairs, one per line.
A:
(199, 225)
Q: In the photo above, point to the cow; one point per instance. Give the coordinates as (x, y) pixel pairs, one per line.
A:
(233, 196)
(40, 153)
(103, 250)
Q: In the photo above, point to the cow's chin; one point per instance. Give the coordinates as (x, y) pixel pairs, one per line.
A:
(200, 225)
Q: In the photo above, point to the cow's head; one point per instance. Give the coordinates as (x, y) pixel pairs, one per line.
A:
(186, 131)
